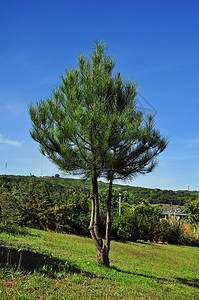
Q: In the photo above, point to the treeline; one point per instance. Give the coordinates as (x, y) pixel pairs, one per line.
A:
(55, 186)
(134, 195)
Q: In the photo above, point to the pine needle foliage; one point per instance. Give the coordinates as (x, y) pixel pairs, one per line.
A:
(90, 125)
(91, 119)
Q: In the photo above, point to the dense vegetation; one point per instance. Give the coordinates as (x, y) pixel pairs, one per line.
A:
(54, 188)
(64, 205)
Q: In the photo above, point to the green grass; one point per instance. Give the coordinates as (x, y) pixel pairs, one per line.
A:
(47, 265)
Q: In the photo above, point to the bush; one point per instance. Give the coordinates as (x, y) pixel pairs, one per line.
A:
(170, 231)
(148, 218)
(124, 227)
(190, 241)
(137, 222)
(8, 208)
(72, 217)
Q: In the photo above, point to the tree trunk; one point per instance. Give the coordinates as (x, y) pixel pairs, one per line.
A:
(95, 219)
(101, 250)
(108, 222)
(102, 256)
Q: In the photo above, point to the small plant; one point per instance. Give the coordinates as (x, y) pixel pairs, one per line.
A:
(47, 271)
(13, 281)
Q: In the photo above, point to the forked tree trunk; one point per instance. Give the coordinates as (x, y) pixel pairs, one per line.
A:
(108, 221)
(101, 250)
(102, 256)
(95, 219)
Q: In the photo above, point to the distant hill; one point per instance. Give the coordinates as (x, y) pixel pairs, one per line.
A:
(130, 194)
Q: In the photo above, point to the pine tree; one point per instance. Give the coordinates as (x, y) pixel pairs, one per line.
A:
(90, 126)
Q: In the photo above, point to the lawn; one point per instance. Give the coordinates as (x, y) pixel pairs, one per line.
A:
(49, 265)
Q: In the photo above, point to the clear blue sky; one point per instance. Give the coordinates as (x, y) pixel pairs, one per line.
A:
(155, 42)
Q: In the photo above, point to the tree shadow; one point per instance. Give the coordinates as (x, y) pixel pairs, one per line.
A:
(30, 261)
(139, 274)
(189, 282)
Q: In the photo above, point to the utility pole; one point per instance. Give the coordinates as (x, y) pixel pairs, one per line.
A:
(120, 200)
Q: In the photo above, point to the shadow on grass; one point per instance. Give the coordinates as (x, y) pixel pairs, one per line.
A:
(189, 282)
(30, 261)
(139, 274)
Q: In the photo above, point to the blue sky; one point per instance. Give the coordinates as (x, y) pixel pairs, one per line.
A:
(155, 43)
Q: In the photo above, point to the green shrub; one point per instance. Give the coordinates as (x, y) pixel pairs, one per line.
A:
(124, 227)
(137, 222)
(148, 218)
(72, 217)
(170, 231)
(8, 208)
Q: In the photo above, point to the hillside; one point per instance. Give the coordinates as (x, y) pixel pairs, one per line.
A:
(65, 267)
(130, 194)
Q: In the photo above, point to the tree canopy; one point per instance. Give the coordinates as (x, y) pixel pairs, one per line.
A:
(91, 125)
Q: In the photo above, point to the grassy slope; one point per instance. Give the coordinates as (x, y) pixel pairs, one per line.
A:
(138, 270)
